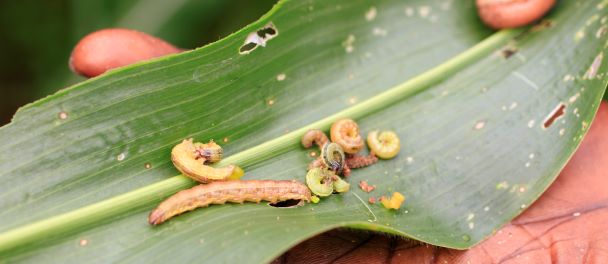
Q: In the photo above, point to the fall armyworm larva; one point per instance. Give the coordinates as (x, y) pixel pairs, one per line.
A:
(333, 157)
(189, 158)
(385, 144)
(315, 136)
(229, 191)
(345, 132)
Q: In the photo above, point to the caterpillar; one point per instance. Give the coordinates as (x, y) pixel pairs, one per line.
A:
(384, 144)
(345, 132)
(332, 157)
(315, 136)
(323, 182)
(189, 158)
(241, 191)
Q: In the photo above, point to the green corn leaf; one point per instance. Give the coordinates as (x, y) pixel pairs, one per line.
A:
(479, 114)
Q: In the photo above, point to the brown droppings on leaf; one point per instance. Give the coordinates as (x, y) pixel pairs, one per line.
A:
(508, 52)
(366, 187)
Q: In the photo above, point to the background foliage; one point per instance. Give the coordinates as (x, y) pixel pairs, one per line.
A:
(38, 36)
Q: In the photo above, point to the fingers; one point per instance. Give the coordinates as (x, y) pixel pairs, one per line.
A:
(512, 13)
(111, 48)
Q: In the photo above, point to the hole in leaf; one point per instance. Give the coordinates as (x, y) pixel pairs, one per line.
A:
(248, 47)
(267, 32)
(558, 112)
(287, 203)
(258, 38)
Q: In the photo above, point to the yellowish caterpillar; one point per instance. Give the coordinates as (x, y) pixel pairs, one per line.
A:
(229, 191)
(384, 144)
(190, 158)
(323, 182)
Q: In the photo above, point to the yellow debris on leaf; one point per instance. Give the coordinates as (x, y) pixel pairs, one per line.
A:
(394, 202)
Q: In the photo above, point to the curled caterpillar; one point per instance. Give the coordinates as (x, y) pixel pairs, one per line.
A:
(320, 181)
(203, 195)
(315, 136)
(384, 144)
(189, 158)
(356, 161)
(323, 182)
(332, 156)
(345, 132)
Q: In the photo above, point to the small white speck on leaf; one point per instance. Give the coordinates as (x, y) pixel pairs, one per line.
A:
(281, 77)
(424, 11)
(63, 115)
(370, 15)
(470, 216)
(480, 125)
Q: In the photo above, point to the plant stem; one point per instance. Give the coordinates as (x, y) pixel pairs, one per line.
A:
(135, 199)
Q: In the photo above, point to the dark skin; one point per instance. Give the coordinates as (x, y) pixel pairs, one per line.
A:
(568, 224)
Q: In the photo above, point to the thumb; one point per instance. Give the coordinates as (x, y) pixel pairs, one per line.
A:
(111, 48)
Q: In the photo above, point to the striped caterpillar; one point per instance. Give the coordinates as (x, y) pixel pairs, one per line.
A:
(190, 159)
(229, 191)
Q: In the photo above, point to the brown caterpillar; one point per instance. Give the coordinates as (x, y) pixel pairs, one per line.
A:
(189, 158)
(345, 132)
(315, 136)
(228, 191)
(356, 161)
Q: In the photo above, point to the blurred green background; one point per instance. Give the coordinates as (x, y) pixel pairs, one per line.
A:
(36, 37)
